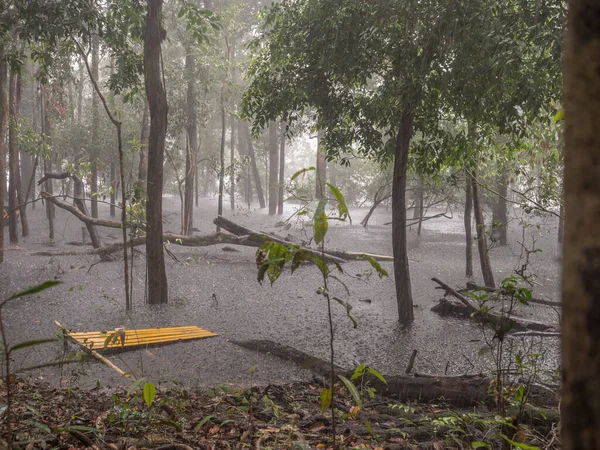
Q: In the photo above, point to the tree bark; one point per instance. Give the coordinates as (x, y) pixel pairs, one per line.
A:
(273, 169)
(140, 192)
(157, 100)
(14, 172)
(281, 168)
(3, 123)
(46, 136)
(192, 143)
(114, 184)
(232, 163)
(484, 256)
(321, 177)
(221, 158)
(95, 124)
(80, 91)
(257, 183)
(500, 216)
(580, 405)
(468, 222)
(401, 267)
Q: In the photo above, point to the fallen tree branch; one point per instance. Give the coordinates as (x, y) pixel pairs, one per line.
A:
(73, 210)
(538, 333)
(474, 287)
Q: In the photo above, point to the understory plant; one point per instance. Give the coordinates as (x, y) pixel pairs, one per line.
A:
(272, 257)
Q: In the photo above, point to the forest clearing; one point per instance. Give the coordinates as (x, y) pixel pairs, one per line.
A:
(299, 224)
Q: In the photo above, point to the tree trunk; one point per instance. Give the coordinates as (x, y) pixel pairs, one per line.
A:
(192, 144)
(115, 187)
(580, 406)
(157, 100)
(3, 123)
(401, 268)
(245, 158)
(281, 169)
(232, 164)
(255, 173)
(46, 136)
(468, 222)
(80, 92)
(14, 172)
(221, 159)
(484, 257)
(500, 216)
(273, 169)
(140, 191)
(95, 124)
(321, 177)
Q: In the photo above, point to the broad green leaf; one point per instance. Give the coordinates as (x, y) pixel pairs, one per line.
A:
(326, 397)
(559, 116)
(479, 444)
(203, 422)
(342, 207)
(358, 372)
(352, 389)
(520, 445)
(348, 307)
(321, 225)
(376, 374)
(35, 289)
(370, 429)
(149, 393)
(520, 394)
(321, 264)
(31, 343)
(299, 257)
(381, 272)
(302, 172)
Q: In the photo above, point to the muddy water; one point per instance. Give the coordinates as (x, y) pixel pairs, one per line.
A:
(217, 290)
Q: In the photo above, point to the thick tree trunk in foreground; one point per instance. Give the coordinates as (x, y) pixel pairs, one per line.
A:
(3, 123)
(580, 406)
(157, 100)
(401, 269)
(484, 256)
(95, 123)
(468, 222)
(140, 191)
(281, 169)
(273, 169)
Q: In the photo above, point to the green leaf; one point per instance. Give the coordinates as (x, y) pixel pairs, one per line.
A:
(326, 397)
(376, 374)
(479, 444)
(342, 207)
(348, 307)
(520, 394)
(35, 289)
(520, 445)
(370, 429)
(108, 339)
(358, 372)
(302, 172)
(203, 422)
(149, 393)
(381, 272)
(352, 389)
(321, 264)
(320, 225)
(559, 116)
(31, 343)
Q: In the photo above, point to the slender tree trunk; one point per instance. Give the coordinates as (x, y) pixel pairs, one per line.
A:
(192, 144)
(500, 213)
(281, 168)
(321, 177)
(3, 123)
(140, 192)
(115, 187)
(222, 158)
(468, 222)
(255, 173)
(484, 257)
(401, 268)
(273, 168)
(245, 157)
(14, 169)
(580, 405)
(232, 164)
(80, 86)
(418, 209)
(46, 136)
(157, 100)
(95, 123)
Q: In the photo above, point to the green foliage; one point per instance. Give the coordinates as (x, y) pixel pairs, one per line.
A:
(149, 393)
(326, 398)
(199, 21)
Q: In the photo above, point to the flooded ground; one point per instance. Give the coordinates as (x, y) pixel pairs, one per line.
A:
(218, 290)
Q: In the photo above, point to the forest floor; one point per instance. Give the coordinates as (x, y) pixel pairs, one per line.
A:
(216, 288)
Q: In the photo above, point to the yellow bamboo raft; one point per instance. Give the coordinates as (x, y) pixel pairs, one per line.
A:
(119, 338)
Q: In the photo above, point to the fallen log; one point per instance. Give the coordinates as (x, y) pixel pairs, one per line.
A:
(338, 256)
(83, 217)
(511, 322)
(260, 238)
(474, 287)
(187, 241)
(465, 390)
